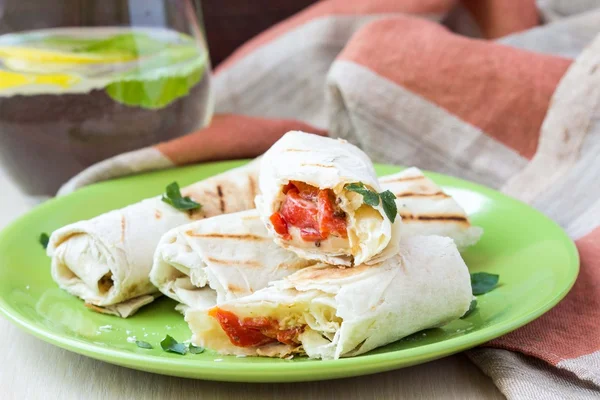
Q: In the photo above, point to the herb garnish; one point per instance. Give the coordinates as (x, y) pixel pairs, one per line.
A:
(482, 282)
(174, 198)
(143, 345)
(169, 344)
(127, 45)
(472, 308)
(372, 198)
(388, 200)
(196, 349)
(44, 239)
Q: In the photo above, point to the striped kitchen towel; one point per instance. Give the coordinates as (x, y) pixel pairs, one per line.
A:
(501, 92)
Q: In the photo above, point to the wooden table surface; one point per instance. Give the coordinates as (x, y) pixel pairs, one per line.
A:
(33, 369)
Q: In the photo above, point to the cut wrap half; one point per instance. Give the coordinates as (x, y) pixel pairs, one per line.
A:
(329, 312)
(307, 205)
(218, 259)
(106, 260)
(426, 210)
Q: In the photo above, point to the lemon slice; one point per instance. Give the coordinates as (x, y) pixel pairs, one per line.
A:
(29, 54)
(13, 79)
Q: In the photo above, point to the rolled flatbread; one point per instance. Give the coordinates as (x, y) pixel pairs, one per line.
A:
(328, 312)
(308, 209)
(106, 260)
(218, 259)
(426, 210)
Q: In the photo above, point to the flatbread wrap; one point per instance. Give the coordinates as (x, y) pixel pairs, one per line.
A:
(218, 259)
(308, 206)
(329, 312)
(106, 260)
(427, 210)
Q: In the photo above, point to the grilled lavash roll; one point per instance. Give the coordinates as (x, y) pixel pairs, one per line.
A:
(183, 253)
(426, 210)
(329, 312)
(218, 259)
(106, 260)
(307, 208)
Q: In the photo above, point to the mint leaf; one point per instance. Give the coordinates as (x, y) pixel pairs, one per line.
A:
(161, 78)
(132, 44)
(177, 60)
(171, 345)
(196, 349)
(482, 282)
(175, 199)
(153, 94)
(143, 345)
(472, 308)
(370, 197)
(388, 200)
(44, 240)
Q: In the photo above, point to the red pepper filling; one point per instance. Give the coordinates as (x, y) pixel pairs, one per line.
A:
(311, 210)
(252, 332)
(280, 226)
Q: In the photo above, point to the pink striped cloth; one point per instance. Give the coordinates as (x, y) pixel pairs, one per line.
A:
(479, 89)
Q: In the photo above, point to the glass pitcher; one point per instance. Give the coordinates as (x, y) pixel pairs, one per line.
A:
(84, 80)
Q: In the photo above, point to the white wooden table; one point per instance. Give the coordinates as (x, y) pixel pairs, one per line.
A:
(32, 369)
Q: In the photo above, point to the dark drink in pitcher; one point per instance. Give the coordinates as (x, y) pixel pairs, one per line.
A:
(70, 97)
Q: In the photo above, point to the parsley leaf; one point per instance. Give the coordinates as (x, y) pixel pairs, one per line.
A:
(370, 197)
(196, 349)
(44, 240)
(388, 200)
(171, 345)
(482, 282)
(174, 198)
(472, 308)
(143, 345)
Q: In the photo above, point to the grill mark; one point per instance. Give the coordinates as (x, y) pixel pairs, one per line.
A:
(234, 262)
(404, 179)
(221, 200)
(300, 264)
(410, 194)
(317, 165)
(330, 272)
(123, 226)
(252, 184)
(235, 289)
(225, 236)
(457, 218)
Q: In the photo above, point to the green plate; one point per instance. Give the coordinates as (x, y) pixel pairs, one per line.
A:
(536, 261)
